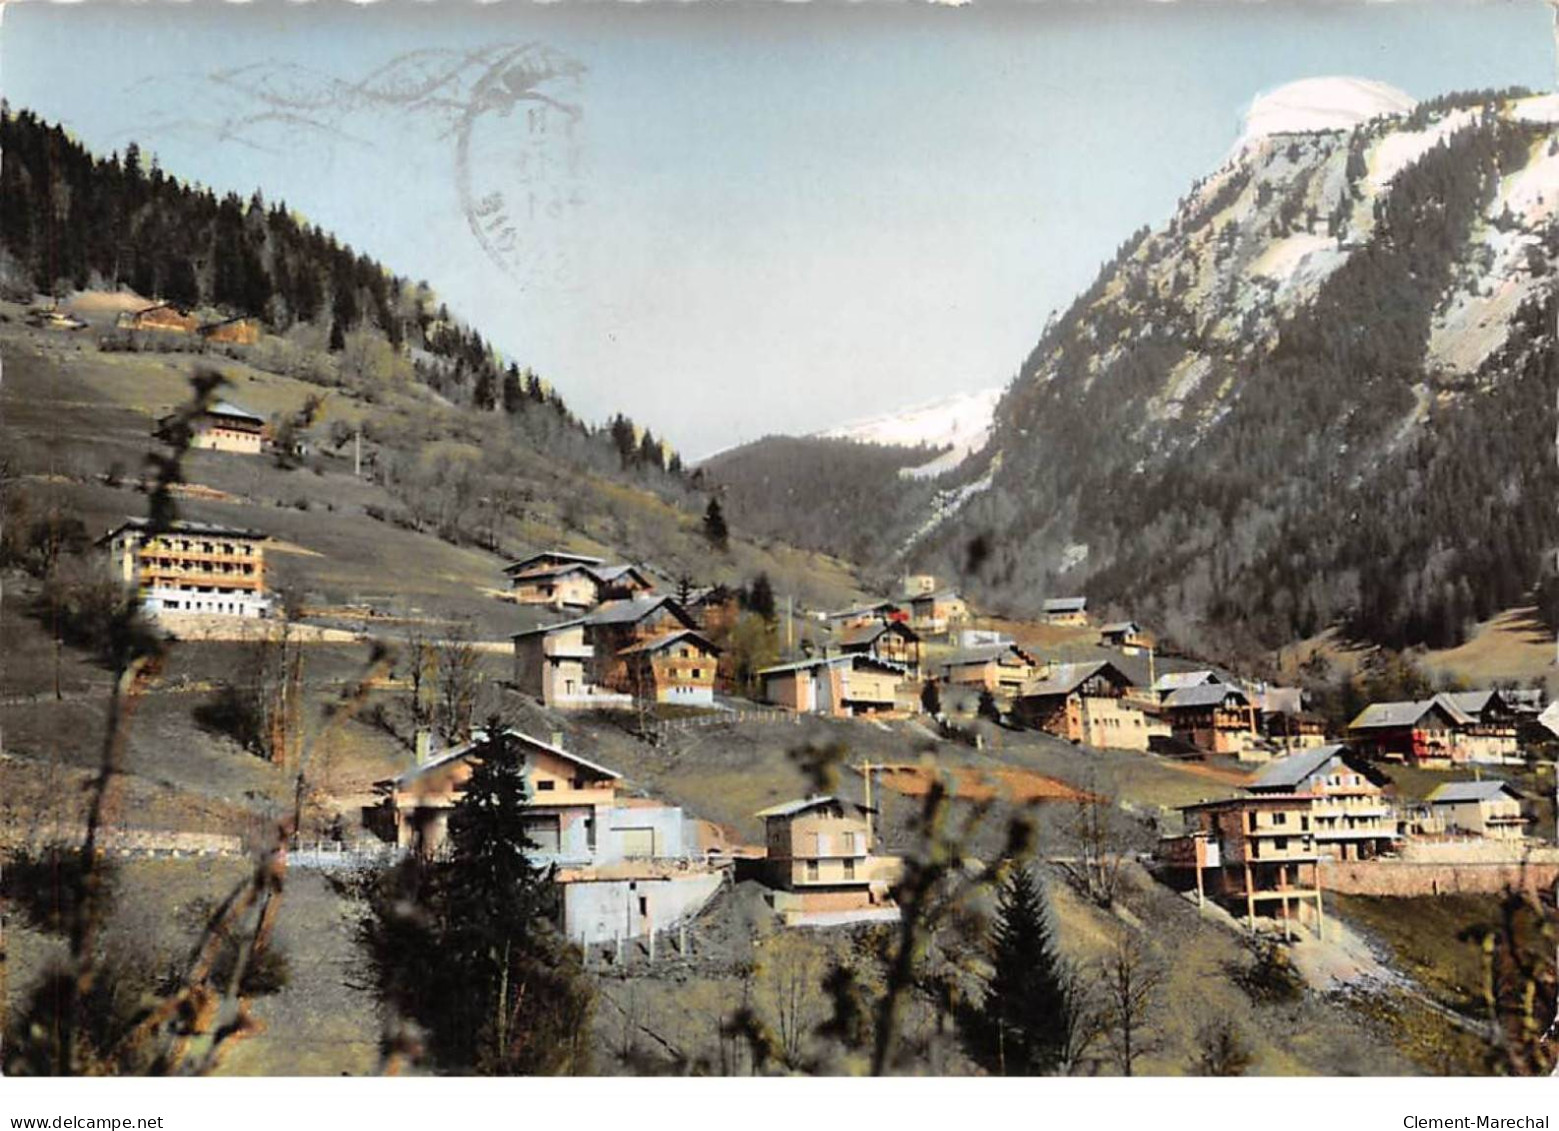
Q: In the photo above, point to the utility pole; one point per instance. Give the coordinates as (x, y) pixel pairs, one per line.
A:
(357, 455)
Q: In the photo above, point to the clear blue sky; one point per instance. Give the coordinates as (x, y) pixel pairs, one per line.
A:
(766, 218)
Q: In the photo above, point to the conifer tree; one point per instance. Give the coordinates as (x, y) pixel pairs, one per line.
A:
(1030, 1018)
(479, 963)
(714, 526)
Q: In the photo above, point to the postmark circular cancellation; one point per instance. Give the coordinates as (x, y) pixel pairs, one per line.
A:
(509, 113)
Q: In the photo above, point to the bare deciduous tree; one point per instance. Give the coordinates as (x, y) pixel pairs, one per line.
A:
(1130, 982)
(1099, 846)
(791, 975)
(459, 677)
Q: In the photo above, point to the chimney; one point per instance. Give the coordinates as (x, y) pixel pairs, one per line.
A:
(557, 739)
(424, 742)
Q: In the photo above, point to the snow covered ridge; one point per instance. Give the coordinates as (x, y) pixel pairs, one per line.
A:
(1312, 105)
(962, 421)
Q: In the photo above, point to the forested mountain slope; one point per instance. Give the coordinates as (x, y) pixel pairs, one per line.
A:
(1321, 394)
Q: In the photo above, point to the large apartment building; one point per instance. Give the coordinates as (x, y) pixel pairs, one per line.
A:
(191, 567)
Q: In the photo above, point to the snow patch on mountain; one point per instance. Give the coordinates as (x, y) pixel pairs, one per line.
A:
(961, 422)
(1474, 319)
(1399, 150)
(1316, 104)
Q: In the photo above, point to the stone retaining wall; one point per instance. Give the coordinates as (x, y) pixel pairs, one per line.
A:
(1411, 878)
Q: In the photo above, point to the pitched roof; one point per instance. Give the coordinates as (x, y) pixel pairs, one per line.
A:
(613, 572)
(655, 644)
(1129, 627)
(1286, 773)
(559, 556)
(867, 633)
(805, 665)
(1475, 703)
(1404, 713)
(862, 610)
(456, 753)
(563, 569)
(985, 655)
(1063, 679)
(817, 801)
(854, 660)
(1172, 681)
(632, 609)
(228, 408)
(1065, 604)
(939, 595)
(186, 526)
(1203, 695)
(1452, 792)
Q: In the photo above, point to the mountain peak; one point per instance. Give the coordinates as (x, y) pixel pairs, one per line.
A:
(1313, 105)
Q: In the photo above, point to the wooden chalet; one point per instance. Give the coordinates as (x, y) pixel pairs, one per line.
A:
(1001, 669)
(223, 427)
(1070, 612)
(1421, 732)
(1215, 717)
(159, 318)
(892, 642)
(1086, 703)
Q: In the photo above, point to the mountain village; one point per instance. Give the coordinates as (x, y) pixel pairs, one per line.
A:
(1304, 811)
(290, 585)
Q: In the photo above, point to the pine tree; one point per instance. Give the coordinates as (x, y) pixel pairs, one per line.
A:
(931, 698)
(760, 599)
(521, 1004)
(1030, 1018)
(714, 526)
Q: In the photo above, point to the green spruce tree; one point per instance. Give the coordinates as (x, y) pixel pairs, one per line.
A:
(1030, 1018)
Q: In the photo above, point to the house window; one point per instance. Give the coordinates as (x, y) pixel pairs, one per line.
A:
(1280, 843)
(544, 786)
(849, 869)
(812, 870)
(1280, 818)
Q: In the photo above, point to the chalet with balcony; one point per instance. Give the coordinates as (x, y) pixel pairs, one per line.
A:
(1492, 733)
(191, 567)
(891, 642)
(1085, 703)
(838, 686)
(556, 579)
(675, 667)
(223, 427)
(937, 612)
(1214, 717)
(1425, 732)
(1067, 612)
(877, 612)
(1350, 818)
(626, 866)
(1490, 809)
(819, 859)
(1254, 855)
(645, 647)
(1001, 669)
(1285, 722)
(1168, 682)
(622, 582)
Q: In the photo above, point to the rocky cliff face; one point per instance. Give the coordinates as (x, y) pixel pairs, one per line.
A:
(1320, 394)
